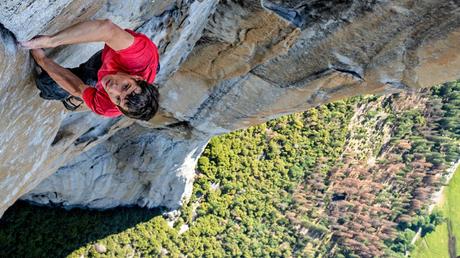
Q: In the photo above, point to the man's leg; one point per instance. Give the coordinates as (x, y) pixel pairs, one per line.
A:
(49, 89)
(87, 72)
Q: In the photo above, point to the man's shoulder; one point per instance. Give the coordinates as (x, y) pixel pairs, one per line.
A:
(137, 34)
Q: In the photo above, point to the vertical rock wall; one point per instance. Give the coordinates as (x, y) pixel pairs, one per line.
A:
(136, 166)
(225, 66)
(21, 152)
(44, 134)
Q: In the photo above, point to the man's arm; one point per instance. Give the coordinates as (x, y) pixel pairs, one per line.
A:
(62, 76)
(88, 31)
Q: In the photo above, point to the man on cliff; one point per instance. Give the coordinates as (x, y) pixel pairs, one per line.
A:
(117, 80)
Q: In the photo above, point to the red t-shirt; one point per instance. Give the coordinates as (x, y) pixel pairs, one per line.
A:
(141, 58)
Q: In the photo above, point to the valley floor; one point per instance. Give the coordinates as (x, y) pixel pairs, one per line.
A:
(435, 244)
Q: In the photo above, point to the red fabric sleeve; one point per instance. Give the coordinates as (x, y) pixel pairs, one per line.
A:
(99, 103)
(141, 54)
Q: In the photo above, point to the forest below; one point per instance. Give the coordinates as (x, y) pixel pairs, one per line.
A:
(352, 178)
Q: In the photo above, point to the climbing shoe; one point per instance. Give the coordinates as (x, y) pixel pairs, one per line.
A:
(72, 103)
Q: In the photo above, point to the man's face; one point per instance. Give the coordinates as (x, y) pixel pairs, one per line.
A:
(120, 85)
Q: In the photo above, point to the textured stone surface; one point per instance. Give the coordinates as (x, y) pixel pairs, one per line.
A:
(24, 140)
(48, 137)
(110, 175)
(225, 66)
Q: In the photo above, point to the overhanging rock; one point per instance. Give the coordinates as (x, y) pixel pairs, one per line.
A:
(253, 61)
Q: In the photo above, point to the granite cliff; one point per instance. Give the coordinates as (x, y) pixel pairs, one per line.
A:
(226, 65)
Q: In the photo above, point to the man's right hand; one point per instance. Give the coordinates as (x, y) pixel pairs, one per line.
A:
(39, 41)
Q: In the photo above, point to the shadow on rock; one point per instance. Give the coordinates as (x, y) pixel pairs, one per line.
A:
(31, 231)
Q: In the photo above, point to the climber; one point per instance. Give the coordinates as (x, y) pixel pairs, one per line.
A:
(116, 80)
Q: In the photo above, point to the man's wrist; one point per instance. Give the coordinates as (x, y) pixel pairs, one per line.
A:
(53, 41)
(42, 61)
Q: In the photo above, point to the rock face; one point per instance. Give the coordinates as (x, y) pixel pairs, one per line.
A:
(113, 176)
(225, 65)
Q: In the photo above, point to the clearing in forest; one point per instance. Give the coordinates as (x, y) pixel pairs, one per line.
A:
(435, 244)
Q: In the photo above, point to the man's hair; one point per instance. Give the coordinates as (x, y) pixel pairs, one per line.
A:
(142, 105)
